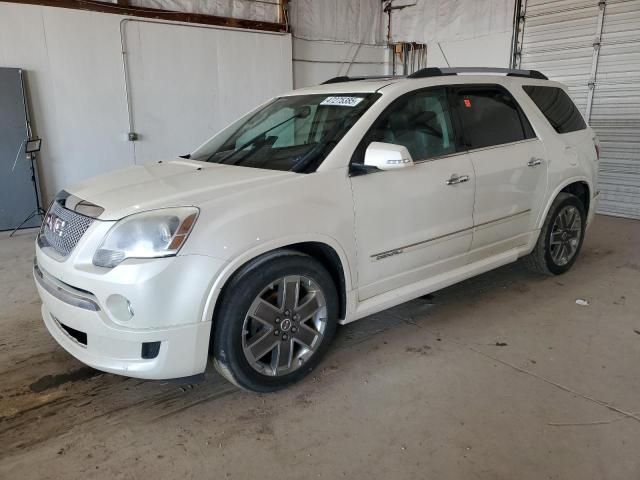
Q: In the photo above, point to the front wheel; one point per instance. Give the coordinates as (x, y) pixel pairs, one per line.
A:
(277, 317)
(560, 238)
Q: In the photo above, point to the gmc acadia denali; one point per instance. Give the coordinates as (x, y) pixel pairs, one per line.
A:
(320, 207)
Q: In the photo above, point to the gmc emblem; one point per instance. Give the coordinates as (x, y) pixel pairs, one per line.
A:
(54, 224)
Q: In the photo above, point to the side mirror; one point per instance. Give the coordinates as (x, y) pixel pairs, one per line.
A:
(387, 156)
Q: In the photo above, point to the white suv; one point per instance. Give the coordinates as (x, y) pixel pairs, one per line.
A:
(319, 207)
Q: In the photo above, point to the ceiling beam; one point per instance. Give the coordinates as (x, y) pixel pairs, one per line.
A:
(122, 8)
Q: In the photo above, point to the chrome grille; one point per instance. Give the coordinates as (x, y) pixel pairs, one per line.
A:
(63, 229)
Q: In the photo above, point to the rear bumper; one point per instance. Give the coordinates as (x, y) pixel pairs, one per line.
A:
(78, 322)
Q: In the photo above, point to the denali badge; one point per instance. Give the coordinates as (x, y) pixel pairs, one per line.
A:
(390, 253)
(55, 224)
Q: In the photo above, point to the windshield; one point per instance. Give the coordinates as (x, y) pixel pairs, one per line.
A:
(291, 133)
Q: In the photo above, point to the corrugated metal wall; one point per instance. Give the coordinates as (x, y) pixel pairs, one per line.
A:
(594, 48)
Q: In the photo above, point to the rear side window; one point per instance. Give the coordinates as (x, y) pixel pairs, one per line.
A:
(490, 116)
(559, 109)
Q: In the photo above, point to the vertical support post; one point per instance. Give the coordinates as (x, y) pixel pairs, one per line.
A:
(514, 33)
(392, 50)
(594, 60)
(405, 59)
(520, 19)
(283, 6)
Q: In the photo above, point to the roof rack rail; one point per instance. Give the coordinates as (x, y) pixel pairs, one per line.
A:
(354, 79)
(439, 72)
(510, 72)
(431, 72)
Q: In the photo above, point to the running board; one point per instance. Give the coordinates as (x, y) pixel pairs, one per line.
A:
(429, 285)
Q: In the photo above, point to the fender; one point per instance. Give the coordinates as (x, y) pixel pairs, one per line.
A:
(233, 265)
(555, 193)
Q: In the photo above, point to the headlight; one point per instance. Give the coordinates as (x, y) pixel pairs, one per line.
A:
(157, 233)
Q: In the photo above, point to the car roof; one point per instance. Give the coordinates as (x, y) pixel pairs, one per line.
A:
(432, 77)
(351, 86)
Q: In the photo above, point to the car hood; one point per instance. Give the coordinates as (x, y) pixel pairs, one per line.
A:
(170, 184)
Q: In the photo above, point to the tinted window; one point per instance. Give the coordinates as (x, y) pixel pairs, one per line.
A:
(420, 121)
(490, 116)
(556, 105)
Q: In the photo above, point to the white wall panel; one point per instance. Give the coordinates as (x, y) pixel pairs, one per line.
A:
(208, 77)
(486, 51)
(73, 67)
(315, 61)
(195, 81)
(355, 21)
(458, 33)
(337, 37)
(430, 21)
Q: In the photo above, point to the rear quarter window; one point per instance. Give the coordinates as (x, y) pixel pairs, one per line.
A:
(490, 116)
(557, 107)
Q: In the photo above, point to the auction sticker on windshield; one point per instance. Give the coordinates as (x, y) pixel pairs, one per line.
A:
(342, 101)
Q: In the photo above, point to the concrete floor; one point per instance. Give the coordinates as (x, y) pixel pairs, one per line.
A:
(501, 377)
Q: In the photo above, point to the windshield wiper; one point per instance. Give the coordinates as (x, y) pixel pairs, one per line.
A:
(261, 137)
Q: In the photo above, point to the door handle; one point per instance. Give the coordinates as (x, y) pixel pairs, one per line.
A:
(534, 162)
(455, 179)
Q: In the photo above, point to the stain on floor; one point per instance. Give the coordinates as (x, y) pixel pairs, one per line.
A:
(502, 376)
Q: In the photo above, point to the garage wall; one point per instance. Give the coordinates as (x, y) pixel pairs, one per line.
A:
(594, 48)
(337, 37)
(74, 70)
(187, 81)
(458, 33)
(265, 10)
(317, 61)
(75, 86)
(492, 50)
(330, 37)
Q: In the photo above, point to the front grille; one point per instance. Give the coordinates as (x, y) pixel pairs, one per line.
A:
(64, 228)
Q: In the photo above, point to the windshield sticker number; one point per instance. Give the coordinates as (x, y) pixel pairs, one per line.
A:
(342, 101)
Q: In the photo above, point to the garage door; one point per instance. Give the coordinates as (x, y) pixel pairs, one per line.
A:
(594, 48)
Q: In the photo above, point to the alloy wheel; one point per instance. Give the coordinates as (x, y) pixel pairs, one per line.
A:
(565, 235)
(284, 325)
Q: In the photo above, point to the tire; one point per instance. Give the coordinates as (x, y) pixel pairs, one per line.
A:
(547, 256)
(258, 314)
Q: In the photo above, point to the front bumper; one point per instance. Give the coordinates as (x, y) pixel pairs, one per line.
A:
(167, 336)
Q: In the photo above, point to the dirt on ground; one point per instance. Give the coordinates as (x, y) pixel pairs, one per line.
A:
(503, 376)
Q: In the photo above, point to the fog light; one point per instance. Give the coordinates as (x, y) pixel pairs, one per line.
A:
(120, 307)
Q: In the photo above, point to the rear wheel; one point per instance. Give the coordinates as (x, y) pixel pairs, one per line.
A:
(561, 237)
(276, 320)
